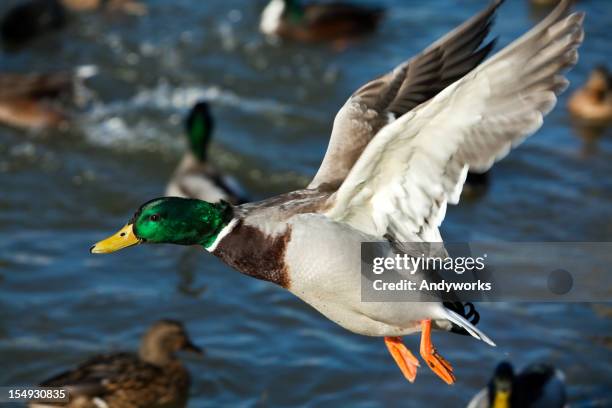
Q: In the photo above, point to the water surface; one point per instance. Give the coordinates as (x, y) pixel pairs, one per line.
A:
(62, 191)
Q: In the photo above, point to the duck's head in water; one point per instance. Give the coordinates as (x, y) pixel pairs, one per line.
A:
(199, 127)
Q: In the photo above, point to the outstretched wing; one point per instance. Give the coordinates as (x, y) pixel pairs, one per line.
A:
(388, 97)
(403, 180)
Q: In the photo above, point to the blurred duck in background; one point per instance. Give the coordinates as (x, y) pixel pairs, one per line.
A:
(476, 184)
(133, 7)
(537, 386)
(41, 101)
(547, 3)
(539, 8)
(593, 102)
(318, 22)
(34, 18)
(154, 377)
(195, 176)
(544, 3)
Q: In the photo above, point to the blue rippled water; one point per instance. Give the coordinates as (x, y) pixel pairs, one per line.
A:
(274, 105)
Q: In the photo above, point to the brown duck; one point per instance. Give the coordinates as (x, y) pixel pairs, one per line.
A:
(40, 101)
(593, 102)
(152, 378)
(127, 6)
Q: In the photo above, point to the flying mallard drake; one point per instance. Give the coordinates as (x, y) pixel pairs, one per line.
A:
(593, 102)
(318, 22)
(537, 386)
(195, 177)
(38, 101)
(399, 152)
(152, 378)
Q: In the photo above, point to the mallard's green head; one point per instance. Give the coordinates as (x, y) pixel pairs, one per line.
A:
(294, 10)
(199, 127)
(500, 387)
(170, 220)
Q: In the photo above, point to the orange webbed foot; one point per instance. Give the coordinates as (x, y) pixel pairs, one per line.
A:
(435, 361)
(404, 359)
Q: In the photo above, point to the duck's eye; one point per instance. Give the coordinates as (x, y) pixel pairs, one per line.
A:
(154, 217)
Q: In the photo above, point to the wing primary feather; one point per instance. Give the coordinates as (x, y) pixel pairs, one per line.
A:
(409, 85)
(407, 174)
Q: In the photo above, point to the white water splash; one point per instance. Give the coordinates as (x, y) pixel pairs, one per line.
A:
(121, 124)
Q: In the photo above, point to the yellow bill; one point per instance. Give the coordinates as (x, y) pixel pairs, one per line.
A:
(502, 399)
(124, 238)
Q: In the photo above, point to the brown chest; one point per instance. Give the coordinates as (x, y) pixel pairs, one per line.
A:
(254, 253)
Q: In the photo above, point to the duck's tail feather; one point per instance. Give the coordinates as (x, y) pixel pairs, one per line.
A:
(466, 310)
(462, 322)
